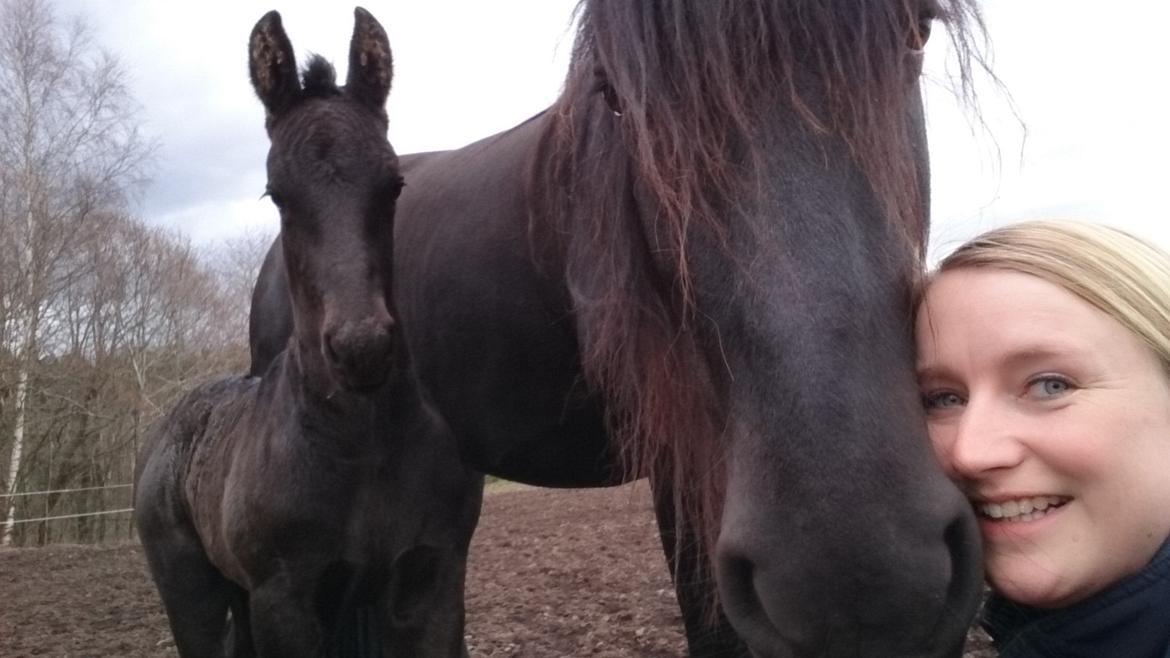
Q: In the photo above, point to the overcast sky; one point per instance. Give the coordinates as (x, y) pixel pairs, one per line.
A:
(1088, 80)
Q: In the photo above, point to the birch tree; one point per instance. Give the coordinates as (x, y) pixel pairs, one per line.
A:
(70, 149)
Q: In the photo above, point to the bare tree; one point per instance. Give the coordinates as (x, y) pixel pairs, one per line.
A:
(145, 319)
(236, 262)
(70, 151)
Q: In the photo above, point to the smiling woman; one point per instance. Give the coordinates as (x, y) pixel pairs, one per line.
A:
(1044, 363)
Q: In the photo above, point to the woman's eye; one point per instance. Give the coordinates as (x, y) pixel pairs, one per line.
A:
(942, 400)
(1048, 387)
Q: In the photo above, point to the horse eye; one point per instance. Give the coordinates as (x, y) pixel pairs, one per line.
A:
(921, 31)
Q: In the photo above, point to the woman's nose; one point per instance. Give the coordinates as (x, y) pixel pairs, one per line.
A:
(986, 439)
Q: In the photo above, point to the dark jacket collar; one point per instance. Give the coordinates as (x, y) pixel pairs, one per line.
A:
(1128, 620)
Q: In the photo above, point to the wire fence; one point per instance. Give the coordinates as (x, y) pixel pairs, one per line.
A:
(61, 491)
(94, 516)
(74, 516)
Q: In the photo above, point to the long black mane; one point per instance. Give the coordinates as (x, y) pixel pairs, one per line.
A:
(696, 83)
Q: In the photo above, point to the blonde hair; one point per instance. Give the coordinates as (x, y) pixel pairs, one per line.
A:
(1122, 275)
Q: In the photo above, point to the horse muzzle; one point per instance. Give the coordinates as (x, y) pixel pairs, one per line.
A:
(842, 602)
(359, 352)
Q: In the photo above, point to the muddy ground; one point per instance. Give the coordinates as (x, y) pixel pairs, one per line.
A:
(553, 574)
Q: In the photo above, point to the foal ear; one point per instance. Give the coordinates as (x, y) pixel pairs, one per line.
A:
(272, 65)
(370, 65)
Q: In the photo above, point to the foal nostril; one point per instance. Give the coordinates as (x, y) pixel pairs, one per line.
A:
(330, 351)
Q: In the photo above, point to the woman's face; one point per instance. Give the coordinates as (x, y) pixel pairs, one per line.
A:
(1055, 421)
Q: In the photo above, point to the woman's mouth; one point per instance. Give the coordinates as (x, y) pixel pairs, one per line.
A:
(1020, 510)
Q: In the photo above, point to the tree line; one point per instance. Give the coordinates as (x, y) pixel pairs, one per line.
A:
(104, 320)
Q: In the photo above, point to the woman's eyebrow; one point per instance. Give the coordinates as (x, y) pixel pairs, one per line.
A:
(1016, 357)
(932, 371)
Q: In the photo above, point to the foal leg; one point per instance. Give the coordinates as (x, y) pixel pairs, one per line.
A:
(239, 631)
(194, 593)
(424, 606)
(707, 636)
(285, 623)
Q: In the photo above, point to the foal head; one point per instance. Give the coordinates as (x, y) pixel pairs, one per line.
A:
(334, 178)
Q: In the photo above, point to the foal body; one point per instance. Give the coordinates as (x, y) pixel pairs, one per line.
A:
(325, 503)
(352, 500)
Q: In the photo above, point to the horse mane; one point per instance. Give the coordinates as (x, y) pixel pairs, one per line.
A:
(693, 81)
(319, 78)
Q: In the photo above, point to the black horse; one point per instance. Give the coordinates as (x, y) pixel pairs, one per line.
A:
(327, 489)
(698, 266)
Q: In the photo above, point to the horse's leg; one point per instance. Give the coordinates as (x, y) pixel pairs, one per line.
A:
(706, 638)
(424, 606)
(195, 594)
(285, 623)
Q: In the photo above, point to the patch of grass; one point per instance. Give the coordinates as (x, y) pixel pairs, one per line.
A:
(495, 485)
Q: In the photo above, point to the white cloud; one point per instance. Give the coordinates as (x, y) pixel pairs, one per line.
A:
(1087, 82)
(216, 219)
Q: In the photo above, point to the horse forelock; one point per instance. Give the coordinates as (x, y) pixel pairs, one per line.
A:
(694, 81)
(319, 78)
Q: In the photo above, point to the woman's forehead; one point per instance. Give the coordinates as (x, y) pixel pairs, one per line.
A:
(1006, 318)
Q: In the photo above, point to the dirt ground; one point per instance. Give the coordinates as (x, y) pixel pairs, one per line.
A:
(553, 574)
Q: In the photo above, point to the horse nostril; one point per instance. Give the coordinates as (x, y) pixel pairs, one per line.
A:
(963, 543)
(737, 572)
(741, 602)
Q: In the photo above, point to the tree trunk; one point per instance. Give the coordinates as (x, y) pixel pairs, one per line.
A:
(27, 359)
(17, 449)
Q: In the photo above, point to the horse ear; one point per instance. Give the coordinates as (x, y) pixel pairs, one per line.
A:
(272, 65)
(370, 65)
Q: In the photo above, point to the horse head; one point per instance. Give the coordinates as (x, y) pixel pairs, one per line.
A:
(335, 180)
(743, 244)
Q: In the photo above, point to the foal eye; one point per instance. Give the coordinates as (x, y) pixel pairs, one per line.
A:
(392, 188)
(277, 200)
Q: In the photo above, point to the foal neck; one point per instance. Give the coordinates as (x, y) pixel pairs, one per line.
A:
(327, 411)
